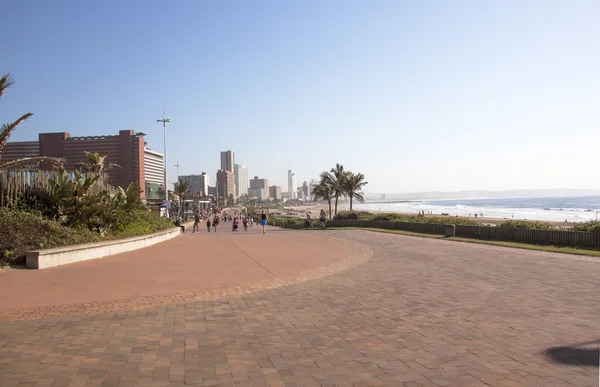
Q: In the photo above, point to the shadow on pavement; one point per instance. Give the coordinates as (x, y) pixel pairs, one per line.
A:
(583, 354)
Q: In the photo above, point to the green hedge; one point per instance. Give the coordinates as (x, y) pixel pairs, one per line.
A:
(528, 224)
(589, 226)
(398, 217)
(22, 231)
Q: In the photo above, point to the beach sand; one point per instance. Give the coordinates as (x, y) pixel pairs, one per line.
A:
(315, 208)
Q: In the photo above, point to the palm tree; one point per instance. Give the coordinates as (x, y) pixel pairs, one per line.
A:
(7, 129)
(323, 191)
(337, 176)
(182, 189)
(353, 184)
(97, 165)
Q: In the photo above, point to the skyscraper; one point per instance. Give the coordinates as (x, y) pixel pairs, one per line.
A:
(292, 184)
(225, 184)
(241, 179)
(198, 184)
(227, 160)
(275, 192)
(259, 183)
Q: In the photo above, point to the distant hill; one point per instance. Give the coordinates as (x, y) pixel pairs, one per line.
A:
(481, 194)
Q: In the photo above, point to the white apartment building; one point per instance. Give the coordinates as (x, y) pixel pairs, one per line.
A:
(154, 167)
(292, 184)
(241, 179)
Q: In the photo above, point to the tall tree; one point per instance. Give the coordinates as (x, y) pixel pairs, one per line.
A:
(323, 191)
(182, 189)
(7, 129)
(337, 177)
(353, 184)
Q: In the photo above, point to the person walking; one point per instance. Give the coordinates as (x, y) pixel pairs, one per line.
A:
(263, 221)
(196, 223)
(215, 222)
(323, 219)
(208, 224)
(245, 223)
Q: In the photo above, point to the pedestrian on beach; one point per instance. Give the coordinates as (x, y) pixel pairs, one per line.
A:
(208, 224)
(263, 221)
(215, 223)
(245, 223)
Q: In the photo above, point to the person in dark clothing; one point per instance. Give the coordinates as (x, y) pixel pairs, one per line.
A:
(208, 224)
(263, 221)
(196, 223)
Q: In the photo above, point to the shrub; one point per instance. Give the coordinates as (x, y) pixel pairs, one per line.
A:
(24, 231)
(528, 224)
(353, 215)
(139, 222)
(589, 226)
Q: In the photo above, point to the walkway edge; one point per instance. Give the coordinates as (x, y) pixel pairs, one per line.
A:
(43, 259)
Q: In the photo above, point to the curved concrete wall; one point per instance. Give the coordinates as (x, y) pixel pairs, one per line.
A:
(42, 259)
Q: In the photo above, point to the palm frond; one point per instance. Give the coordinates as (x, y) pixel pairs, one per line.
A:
(30, 161)
(5, 82)
(7, 129)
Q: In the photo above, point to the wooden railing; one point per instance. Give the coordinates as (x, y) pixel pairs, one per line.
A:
(23, 184)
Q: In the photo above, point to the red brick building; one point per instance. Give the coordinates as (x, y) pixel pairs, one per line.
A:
(125, 149)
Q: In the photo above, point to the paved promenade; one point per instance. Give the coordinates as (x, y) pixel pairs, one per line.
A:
(334, 308)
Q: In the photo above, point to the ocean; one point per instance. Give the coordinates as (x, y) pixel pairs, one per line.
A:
(572, 209)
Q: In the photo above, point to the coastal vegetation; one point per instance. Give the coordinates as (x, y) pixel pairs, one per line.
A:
(70, 207)
(399, 217)
(339, 183)
(528, 224)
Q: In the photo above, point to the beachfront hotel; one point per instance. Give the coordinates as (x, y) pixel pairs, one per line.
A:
(126, 149)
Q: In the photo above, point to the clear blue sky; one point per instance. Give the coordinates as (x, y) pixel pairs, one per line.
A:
(420, 95)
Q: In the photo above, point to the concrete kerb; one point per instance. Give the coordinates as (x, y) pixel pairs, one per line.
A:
(43, 259)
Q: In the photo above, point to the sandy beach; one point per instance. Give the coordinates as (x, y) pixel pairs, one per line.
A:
(315, 208)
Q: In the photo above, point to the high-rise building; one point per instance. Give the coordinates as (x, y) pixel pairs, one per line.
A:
(311, 186)
(154, 168)
(305, 191)
(292, 184)
(241, 179)
(225, 184)
(127, 149)
(227, 160)
(275, 192)
(204, 184)
(258, 193)
(198, 184)
(259, 183)
(300, 193)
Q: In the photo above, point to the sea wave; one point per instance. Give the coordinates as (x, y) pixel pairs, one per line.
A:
(498, 208)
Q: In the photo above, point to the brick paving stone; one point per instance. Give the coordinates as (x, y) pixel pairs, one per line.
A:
(390, 311)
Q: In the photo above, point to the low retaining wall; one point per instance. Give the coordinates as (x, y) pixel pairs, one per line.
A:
(43, 259)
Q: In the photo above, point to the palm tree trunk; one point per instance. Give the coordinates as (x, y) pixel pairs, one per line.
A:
(336, 200)
(329, 208)
(350, 202)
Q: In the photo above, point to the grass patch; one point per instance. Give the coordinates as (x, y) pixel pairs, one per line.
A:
(516, 245)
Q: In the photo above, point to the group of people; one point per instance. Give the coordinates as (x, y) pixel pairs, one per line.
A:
(322, 219)
(235, 220)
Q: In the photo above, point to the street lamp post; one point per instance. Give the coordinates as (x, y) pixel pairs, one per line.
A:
(181, 211)
(164, 121)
